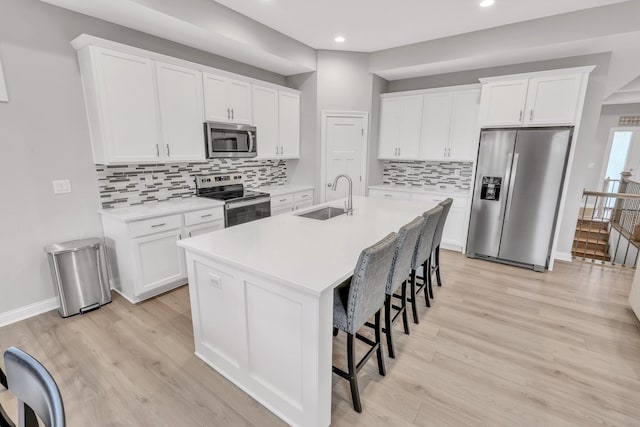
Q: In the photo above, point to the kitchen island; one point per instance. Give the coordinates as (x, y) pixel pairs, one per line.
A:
(262, 300)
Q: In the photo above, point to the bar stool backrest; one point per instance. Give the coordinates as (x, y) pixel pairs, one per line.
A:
(425, 241)
(367, 290)
(446, 206)
(408, 237)
(33, 386)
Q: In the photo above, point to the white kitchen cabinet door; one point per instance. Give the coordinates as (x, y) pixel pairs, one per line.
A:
(181, 113)
(159, 261)
(503, 103)
(239, 96)
(265, 119)
(390, 111)
(216, 106)
(289, 125)
(553, 100)
(454, 229)
(280, 209)
(129, 108)
(410, 127)
(207, 227)
(436, 126)
(465, 131)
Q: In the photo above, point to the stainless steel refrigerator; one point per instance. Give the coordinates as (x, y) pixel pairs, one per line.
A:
(518, 184)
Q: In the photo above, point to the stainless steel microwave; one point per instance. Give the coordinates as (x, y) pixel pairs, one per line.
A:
(225, 140)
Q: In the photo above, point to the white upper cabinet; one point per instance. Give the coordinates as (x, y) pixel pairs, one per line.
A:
(289, 124)
(465, 131)
(436, 126)
(181, 112)
(144, 107)
(400, 125)
(265, 119)
(547, 98)
(553, 100)
(226, 100)
(450, 125)
(120, 96)
(503, 103)
(276, 116)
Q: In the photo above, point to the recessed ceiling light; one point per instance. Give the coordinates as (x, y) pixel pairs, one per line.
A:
(341, 39)
(487, 3)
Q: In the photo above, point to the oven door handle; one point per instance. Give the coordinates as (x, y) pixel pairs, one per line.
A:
(235, 205)
(250, 141)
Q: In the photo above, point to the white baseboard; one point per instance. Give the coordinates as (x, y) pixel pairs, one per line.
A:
(564, 256)
(27, 311)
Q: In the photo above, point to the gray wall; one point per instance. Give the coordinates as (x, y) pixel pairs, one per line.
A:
(376, 166)
(580, 172)
(609, 118)
(44, 136)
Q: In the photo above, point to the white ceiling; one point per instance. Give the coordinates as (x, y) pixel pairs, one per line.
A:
(371, 25)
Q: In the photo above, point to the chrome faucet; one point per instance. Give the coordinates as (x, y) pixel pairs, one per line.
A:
(348, 204)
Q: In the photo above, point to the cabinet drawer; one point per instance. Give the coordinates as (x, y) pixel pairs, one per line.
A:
(303, 205)
(155, 225)
(280, 210)
(286, 199)
(391, 195)
(203, 215)
(303, 196)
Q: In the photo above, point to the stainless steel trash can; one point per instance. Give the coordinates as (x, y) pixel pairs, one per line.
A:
(80, 277)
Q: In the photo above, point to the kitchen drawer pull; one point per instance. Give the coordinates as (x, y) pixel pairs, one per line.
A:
(283, 200)
(388, 195)
(205, 216)
(437, 200)
(158, 225)
(304, 195)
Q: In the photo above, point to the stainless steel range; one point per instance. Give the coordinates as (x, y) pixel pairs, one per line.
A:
(240, 205)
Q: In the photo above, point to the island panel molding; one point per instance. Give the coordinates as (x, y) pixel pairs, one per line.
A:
(135, 184)
(280, 289)
(4, 97)
(455, 176)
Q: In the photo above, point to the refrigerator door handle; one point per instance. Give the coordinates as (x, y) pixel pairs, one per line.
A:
(512, 184)
(507, 174)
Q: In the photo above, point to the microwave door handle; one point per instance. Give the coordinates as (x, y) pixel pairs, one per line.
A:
(250, 141)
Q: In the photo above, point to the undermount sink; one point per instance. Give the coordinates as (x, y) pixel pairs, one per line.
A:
(323, 214)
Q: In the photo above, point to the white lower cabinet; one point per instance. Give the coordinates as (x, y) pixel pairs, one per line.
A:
(144, 256)
(455, 229)
(291, 202)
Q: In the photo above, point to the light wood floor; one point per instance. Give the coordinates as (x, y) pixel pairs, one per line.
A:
(501, 346)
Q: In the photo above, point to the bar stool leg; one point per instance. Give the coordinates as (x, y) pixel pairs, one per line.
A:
(381, 368)
(353, 375)
(427, 267)
(388, 325)
(438, 265)
(413, 297)
(335, 331)
(405, 316)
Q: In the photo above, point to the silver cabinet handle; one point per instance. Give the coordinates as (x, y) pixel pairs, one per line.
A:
(232, 114)
(388, 195)
(520, 118)
(531, 115)
(445, 152)
(180, 236)
(399, 151)
(205, 216)
(506, 174)
(159, 225)
(157, 151)
(329, 184)
(189, 234)
(228, 113)
(281, 150)
(283, 200)
(512, 184)
(449, 152)
(168, 152)
(276, 150)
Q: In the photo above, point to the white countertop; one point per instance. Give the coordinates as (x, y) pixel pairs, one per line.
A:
(426, 190)
(280, 190)
(308, 254)
(168, 207)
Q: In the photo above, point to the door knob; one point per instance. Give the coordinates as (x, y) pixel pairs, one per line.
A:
(329, 184)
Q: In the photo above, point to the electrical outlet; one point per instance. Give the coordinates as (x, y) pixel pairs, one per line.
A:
(456, 172)
(61, 186)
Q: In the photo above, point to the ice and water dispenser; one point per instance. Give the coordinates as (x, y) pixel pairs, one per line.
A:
(491, 188)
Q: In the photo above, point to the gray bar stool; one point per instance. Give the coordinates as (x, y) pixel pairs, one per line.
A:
(437, 239)
(421, 256)
(408, 237)
(355, 303)
(35, 389)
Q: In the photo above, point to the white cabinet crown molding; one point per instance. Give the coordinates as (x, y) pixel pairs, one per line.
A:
(85, 40)
(559, 72)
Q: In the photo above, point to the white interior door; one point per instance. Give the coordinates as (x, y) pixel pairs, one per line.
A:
(345, 139)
